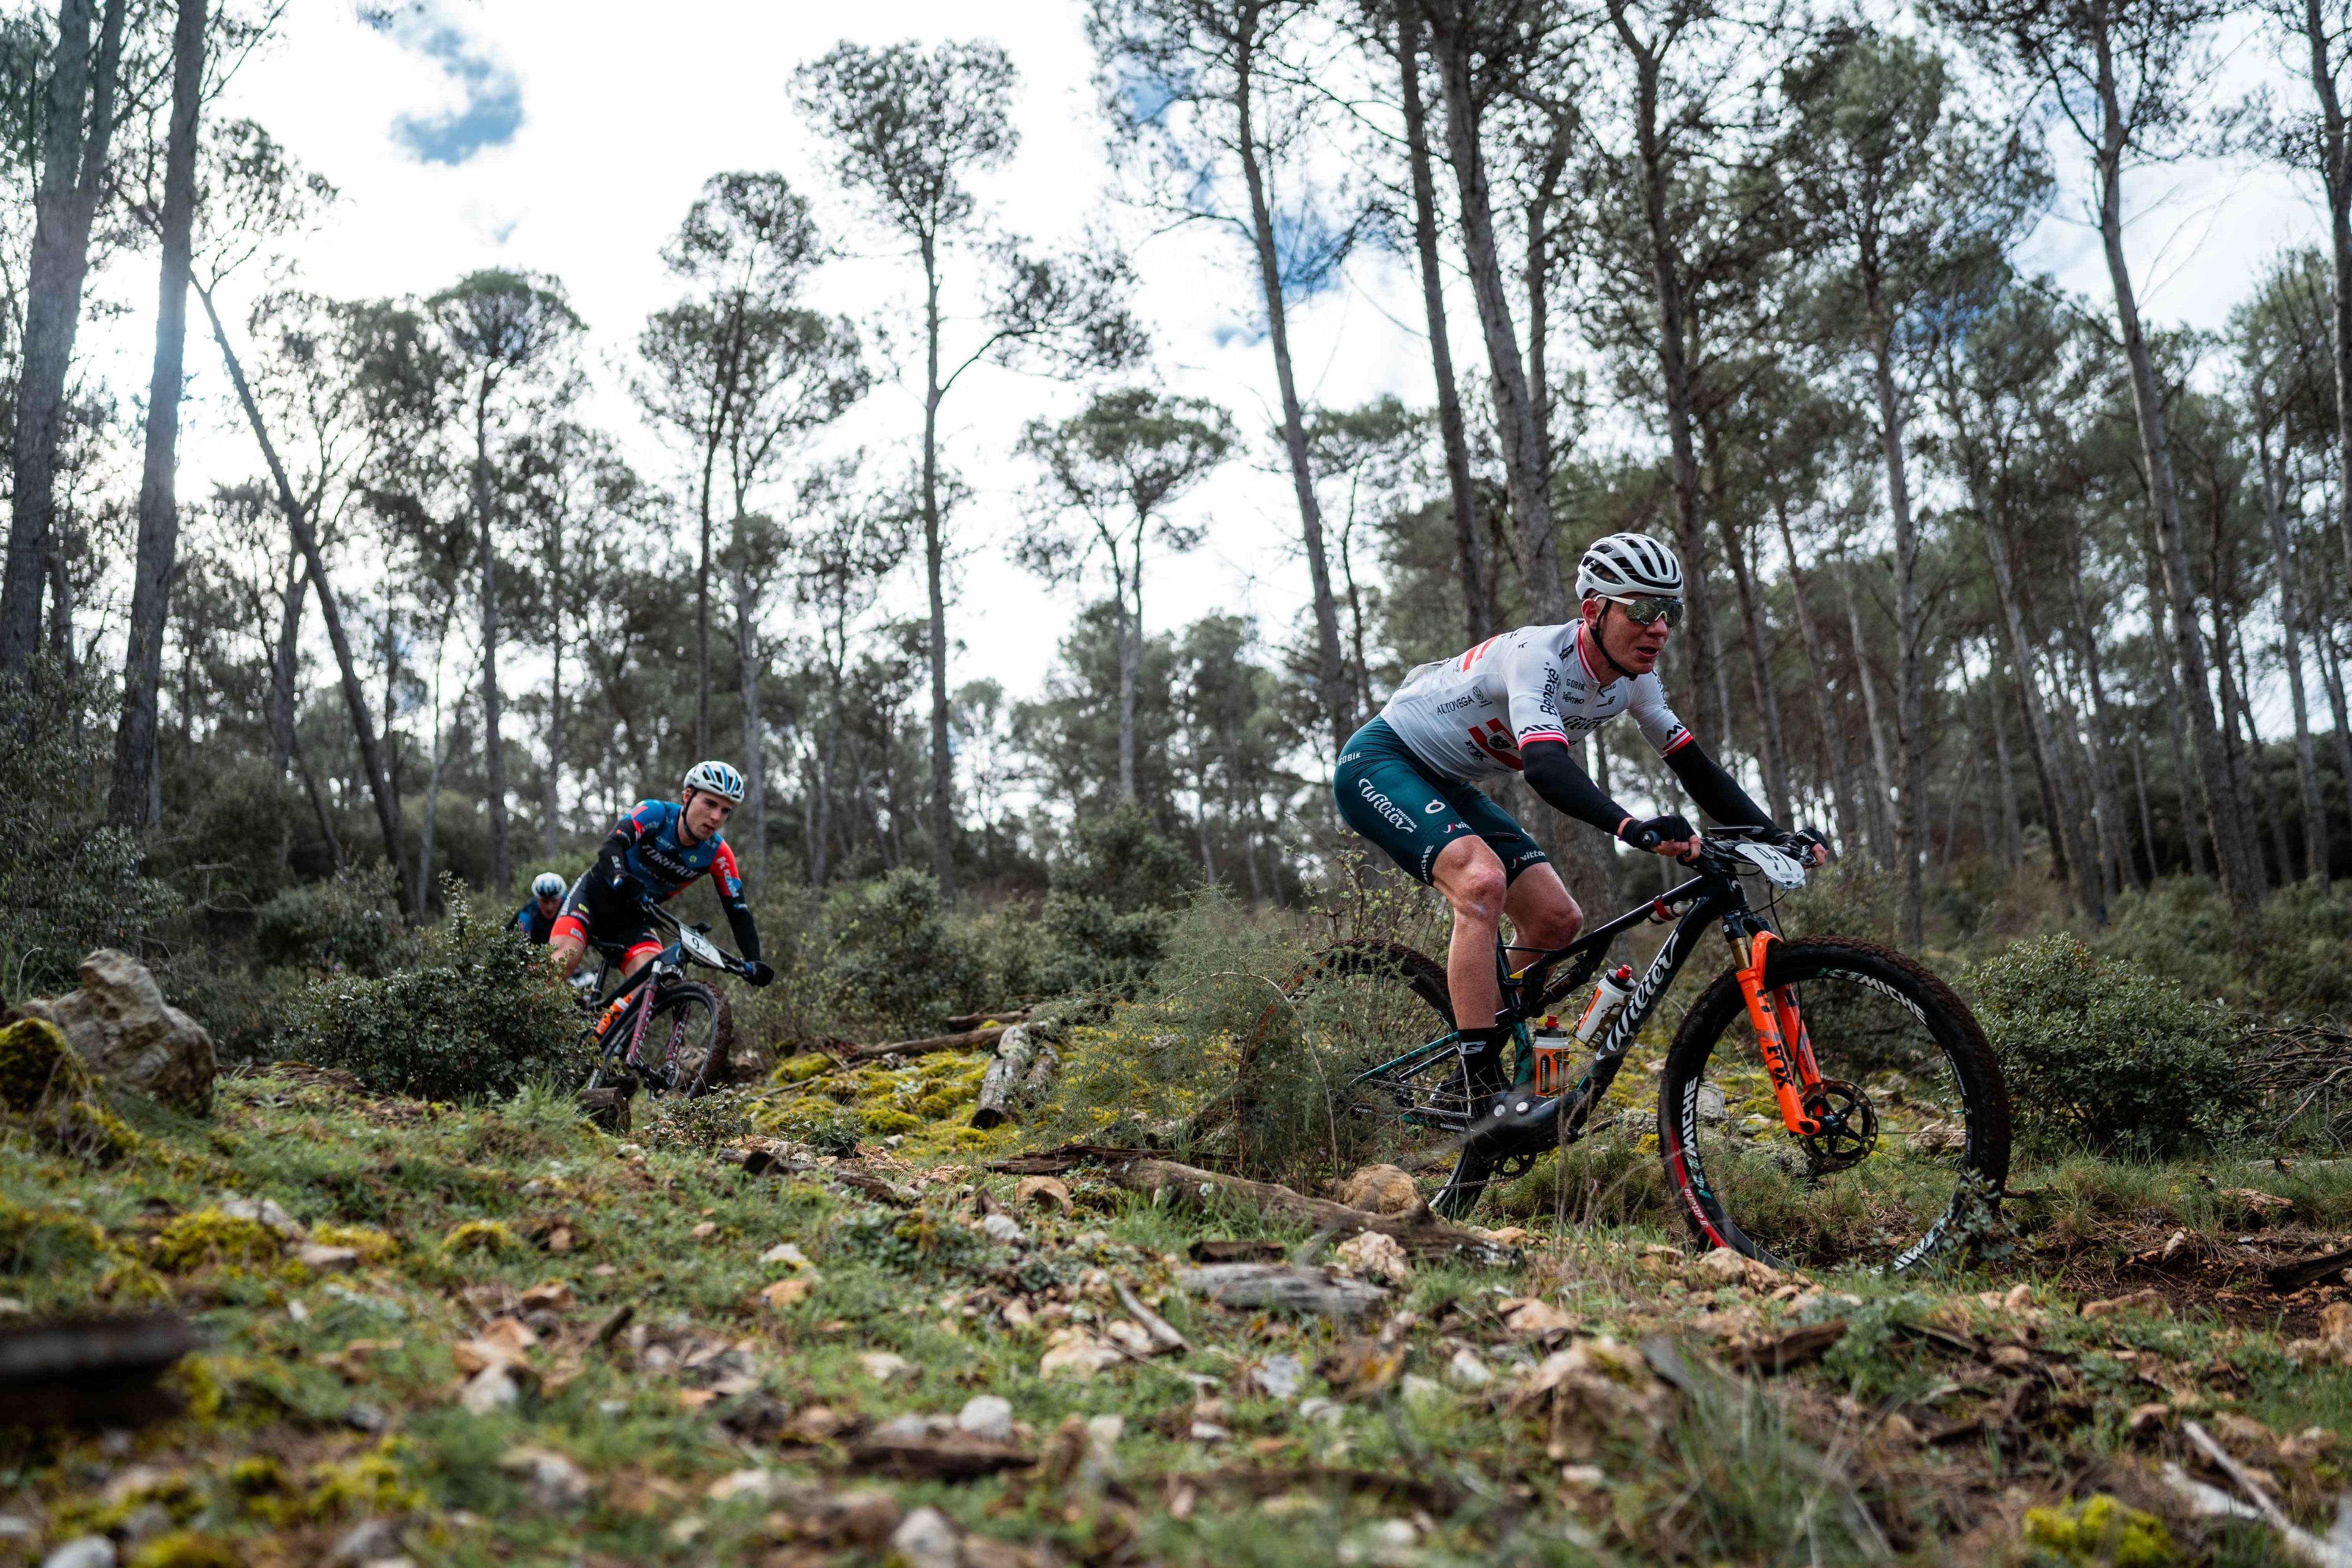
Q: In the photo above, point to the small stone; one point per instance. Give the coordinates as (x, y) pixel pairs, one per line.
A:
(927, 1538)
(1897, 1432)
(1017, 1315)
(1330, 1412)
(1535, 1317)
(1279, 1377)
(1045, 1192)
(2012, 1358)
(1004, 1227)
(372, 1541)
(2147, 1300)
(2308, 1445)
(12, 1307)
(1724, 1266)
(2146, 1420)
(786, 1253)
(493, 1388)
(788, 1292)
(987, 1416)
(2243, 1436)
(882, 1366)
(82, 1552)
(1378, 1189)
(1078, 1352)
(145, 1522)
(552, 1479)
(704, 1231)
(1376, 1255)
(321, 1259)
(16, 1527)
(1467, 1370)
(1583, 1478)
(1209, 1432)
(1712, 1106)
(1419, 1390)
(752, 1484)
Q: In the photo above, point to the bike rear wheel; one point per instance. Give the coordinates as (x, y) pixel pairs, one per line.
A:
(1916, 1143)
(685, 1048)
(1355, 1066)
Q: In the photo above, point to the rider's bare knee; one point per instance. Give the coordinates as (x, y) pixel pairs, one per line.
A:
(1478, 892)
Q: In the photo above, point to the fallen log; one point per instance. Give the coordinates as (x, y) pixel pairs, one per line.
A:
(2288, 1278)
(964, 1041)
(1423, 1239)
(1002, 1015)
(1783, 1352)
(1008, 1073)
(92, 1372)
(1068, 1158)
(1286, 1286)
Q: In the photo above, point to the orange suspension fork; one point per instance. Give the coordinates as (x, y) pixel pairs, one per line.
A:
(1780, 1035)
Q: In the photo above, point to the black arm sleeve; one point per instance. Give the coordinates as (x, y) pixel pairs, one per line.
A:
(1716, 792)
(738, 920)
(612, 860)
(1560, 782)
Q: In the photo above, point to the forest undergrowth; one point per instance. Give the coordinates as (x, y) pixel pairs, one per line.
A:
(484, 1330)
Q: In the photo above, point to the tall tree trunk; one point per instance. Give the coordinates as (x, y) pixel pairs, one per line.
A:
(2240, 878)
(1883, 773)
(1911, 702)
(387, 812)
(1674, 370)
(2255, 782)
(1525, 481)
(2183, 784)
(158, 510)
(2334, 148)
(494, 750)
(318, 808)
(2012, 830)
(1760, 661)
(285, 665)
(433, 777)
(1130, 660)
(75, 144)
(942, 803)
(1470, 560)
(755, 730)
(2107, 778)
(1824, 712)
(2331, 675)
(551, 807)
(2306, 764)
(1338, 696)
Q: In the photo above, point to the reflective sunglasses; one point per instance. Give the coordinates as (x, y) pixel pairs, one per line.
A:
(1647, 611)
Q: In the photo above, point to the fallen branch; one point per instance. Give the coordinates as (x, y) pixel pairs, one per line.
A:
(974, 1020)
(964, 1041)
(1068, 1157)
(1424, 1238)
(1434, 1494)
(767, 1163)
(1287, 1286)
(2299, 1542)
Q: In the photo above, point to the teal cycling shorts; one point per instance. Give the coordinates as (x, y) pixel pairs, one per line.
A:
(1389, 795)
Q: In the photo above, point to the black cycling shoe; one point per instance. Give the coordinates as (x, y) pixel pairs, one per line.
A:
(1507, 1116)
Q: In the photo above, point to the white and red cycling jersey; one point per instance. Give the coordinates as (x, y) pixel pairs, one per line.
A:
(1468, 716)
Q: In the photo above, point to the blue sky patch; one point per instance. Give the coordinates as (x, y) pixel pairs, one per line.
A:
(492, 111)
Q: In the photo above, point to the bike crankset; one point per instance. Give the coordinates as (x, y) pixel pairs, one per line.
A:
(1849, 1127)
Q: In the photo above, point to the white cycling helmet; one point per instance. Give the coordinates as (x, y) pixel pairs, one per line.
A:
(717, 778)
(1628, 566)
(547, 885)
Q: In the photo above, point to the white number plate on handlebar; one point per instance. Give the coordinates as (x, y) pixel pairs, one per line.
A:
(698, 947)
(1779, 867)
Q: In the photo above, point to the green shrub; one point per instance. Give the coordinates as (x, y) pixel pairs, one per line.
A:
(477, 1015)
(349, 923)
(2098, 1052)
(2293, 957)
(899, 959)
(1114, 897)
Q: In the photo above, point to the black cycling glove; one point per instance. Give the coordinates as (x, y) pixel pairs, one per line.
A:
(756, 973)
(1658, 830)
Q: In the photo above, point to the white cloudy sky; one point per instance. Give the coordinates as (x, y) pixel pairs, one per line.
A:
(598, 123)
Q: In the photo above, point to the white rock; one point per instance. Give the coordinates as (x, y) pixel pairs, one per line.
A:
(910, 1427)
(1279, 1377)
(987, 1416)
(369, 1541)
(882, 1365)
(490, 1389)
(1466, 1370)
(82, 1552)
(787, 1253)
(924, 1539)
(16, 1527)
(753, 1484)
(1712, 1106)
(1209, 1432)
(552, 1479)
(1375, 1255)
(1330, 1412)
(321, 1259)
(1417, 1388)
(1004, 1228)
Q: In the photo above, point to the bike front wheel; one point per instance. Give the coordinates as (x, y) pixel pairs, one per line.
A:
(685, 1051)
(1914, 1146)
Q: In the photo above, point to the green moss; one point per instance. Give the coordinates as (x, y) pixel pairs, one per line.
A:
(31, 1053)
(2103, 1532)
(481, 1236)
(187, 1549)
(207, 1235)
(366, 1483)
(45, 1241)
(881, 1121)
(373, 1245)
(801, 1068)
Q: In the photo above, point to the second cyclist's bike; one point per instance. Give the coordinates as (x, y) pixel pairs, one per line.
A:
(661, 1032)
(1825, 1097)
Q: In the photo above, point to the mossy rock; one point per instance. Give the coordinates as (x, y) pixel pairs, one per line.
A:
(188, 1548)
(2103, 1531)
(34, 1060)
(882, 1121)
(800, 1069)
(373, 1245)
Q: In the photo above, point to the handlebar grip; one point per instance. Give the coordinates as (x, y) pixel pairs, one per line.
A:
(1644, 838)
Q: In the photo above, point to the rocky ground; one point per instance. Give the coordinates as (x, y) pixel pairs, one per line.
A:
(495, 1334)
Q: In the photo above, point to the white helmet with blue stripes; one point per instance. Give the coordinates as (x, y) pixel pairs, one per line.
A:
(717, 778)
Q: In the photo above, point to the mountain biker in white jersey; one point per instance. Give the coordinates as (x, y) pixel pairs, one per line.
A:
(1510, 705)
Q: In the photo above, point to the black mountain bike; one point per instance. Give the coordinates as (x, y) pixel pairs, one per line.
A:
(1826, 1098)
(660, 1031)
